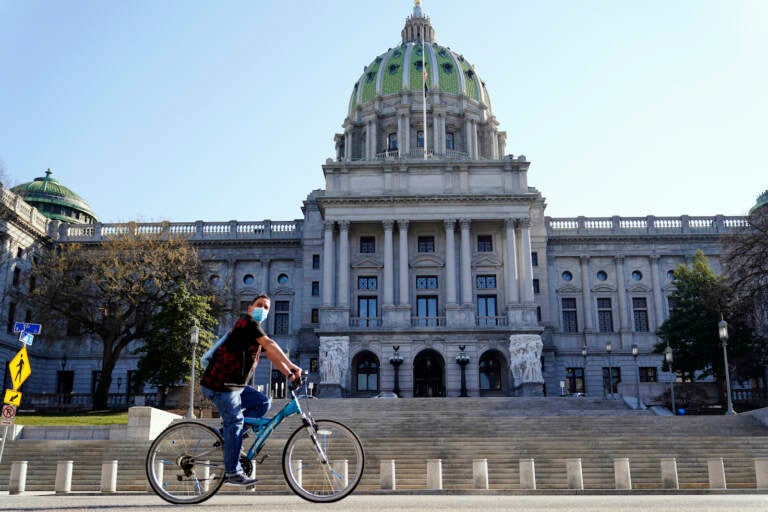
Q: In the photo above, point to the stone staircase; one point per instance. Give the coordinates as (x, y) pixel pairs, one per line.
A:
(458, 430)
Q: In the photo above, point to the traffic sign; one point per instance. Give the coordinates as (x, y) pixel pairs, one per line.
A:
(9, 411)
(19, 368)
(26, 338)
(25, 327)
(12, 397)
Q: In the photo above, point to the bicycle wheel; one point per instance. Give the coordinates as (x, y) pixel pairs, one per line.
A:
(185, 464)
(312, 478)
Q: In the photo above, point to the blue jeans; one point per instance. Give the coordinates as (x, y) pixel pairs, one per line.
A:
(231, 406)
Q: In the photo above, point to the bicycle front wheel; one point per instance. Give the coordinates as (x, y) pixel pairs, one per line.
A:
(324, 465)
(185, 463)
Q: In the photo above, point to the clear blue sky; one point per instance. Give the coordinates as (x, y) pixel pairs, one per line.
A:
(186, 109)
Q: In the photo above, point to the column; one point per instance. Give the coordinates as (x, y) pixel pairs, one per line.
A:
(405, 144)
(475, 148)
(620, 283)
(468, 137)
(348, 144)
(265, 262)
(402, 226)
(343, 263)
(328, 263)
(586, 294)
(494, 143)
(658, 296)
(524, 261)
(388, 263)
(450, 262)
(400, 132)
(510, 263)
(466, 269)
(436, 135)
(373, 137)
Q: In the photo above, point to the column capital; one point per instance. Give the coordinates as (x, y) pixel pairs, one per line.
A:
(403, 224)
(465, 222)
(388, 224)
(510, 222)
(655, 258)
(619, 258)
(524, 222)
(329, 224)
(584, 258)
(344, 225)
(449, 223)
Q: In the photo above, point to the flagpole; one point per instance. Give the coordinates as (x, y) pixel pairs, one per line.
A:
(424, 90)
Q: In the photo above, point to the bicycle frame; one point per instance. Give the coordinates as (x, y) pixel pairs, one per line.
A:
(263, 427)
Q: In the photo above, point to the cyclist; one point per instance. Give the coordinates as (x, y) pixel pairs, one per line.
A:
(224, 381)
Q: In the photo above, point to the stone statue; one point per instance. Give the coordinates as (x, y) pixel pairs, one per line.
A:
(525, 358)
(333, 358)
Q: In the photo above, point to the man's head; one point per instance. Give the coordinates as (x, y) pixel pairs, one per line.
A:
(258, 309)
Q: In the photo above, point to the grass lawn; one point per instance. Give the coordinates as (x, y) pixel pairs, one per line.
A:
(83, 418)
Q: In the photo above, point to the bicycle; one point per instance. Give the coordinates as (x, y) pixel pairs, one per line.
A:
(322, 460)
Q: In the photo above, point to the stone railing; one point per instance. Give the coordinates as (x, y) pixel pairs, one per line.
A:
(24, 211)
(685, 224)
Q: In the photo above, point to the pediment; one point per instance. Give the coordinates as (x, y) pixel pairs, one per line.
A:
(603, 288)
(638, 288)
(367, 262)
(427, 260)
(569, 288)
(486, 260)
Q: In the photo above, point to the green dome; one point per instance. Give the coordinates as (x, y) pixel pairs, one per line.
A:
(762, 202)
(55, 201)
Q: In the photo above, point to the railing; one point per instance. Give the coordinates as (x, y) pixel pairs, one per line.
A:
(427, 321)
(449, 154)
(684, 224)
(365, 321)
(491, 321)
(755, 396)
(26, 212)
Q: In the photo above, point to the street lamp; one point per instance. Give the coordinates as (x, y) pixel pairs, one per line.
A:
(193, 335)
(584, 372)
(609, 349)
(396, 360)
(635, 352)
(462, 359)
(722, 328)
(668, 357)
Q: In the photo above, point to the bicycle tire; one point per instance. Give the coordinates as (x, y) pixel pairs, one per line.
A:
(314, 481)
(185, 463)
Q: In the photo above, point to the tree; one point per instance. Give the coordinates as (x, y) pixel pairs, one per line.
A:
(166, 350)
(110, 291)
(700, 298)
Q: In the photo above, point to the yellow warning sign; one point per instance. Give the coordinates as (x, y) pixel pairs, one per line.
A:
(12, 397)
(19, 368)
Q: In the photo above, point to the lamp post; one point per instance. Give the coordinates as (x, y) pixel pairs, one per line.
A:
(193, 335)
(722, 328)
(609, 349)
(584, 374)
(462, 359)
(396, 360)
(635, 352)
(668, 357)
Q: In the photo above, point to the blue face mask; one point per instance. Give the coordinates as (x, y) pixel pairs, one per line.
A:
(259, 314)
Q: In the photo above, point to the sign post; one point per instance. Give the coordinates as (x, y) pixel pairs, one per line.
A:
(19, 370)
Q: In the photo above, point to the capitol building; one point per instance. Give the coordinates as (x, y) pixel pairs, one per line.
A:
(426, 266)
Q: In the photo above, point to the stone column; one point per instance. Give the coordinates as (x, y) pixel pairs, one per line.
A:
(343, 263)
(466, 268)
(265, 263)
(524, 261)
(348, 144)
(510, 262)
(388, 264)
(405, 144)
(622, 292)
(475, 148)
(450, 262)
(586, 294)
(468, 137)
(328, 281)
(494, 143)
(658, 297)
(400, 134)
(373, 138)
(402, 226)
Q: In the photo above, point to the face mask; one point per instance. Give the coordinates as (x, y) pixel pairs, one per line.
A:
(259, 314)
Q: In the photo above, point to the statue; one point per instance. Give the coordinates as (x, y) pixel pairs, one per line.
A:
(525, 358)
(333, 359)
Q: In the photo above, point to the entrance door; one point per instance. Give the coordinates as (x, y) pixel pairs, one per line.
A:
(428, 374)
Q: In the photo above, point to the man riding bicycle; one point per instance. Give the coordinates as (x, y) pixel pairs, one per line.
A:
(224, 382)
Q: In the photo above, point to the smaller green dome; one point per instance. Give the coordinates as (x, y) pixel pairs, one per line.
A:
(55, 201)
(762, 202)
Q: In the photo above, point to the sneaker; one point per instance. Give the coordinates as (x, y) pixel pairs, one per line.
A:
(240, 480)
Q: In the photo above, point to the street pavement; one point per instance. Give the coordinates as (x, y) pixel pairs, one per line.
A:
(397, 503)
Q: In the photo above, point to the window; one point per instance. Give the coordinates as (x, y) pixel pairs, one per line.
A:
(134, 386)
(449, 140)
(484, 243)
(484, 282)
(426, 244)
(315, 261)
(670, 275)
(570, 321)
(426, 283)
(538, 313)
(282, 279)
(536, 286)
(534, 259)
(426, 311)
(248, 279)
(367, 311)
(567, 276)
(315, 288)
(420, 139)
(649, 374)
(19, 252)
(491, 369)
(637, 275)
(28, 317)
(282, 324)
(315, 316)
(95, 379)
(11, 316)
(614, 380)
(367, 244)
(574, 380)
(392, 142)
(367, 369)
(604, 315)
(313, 365)
(16, 276)
(486, 310)
(367, 283)
(602, 275)
(640, 313)
(671, 303)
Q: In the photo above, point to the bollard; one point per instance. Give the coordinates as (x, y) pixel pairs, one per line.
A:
(18, 482)
(109, 476)
(527, 474)
(761, 473)
(63, 483)
(387, 476)
(205, 474)
(480, 473)
(434, 474)
(669, 473)
(341, 467)
(716, 472)
(621, 473)
(575, 478)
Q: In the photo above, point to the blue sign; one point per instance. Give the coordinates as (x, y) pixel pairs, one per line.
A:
(27, 328)
(18, 327)
(26, 338)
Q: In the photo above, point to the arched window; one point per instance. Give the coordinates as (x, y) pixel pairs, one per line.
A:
(491, 370)
(366, 373)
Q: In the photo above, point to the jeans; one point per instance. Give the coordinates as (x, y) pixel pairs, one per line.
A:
(231, 405)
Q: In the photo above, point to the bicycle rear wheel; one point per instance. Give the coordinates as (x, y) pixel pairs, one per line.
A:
(305, 470)
(185, 463)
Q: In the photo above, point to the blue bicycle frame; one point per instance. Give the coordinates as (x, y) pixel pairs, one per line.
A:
(263, 427)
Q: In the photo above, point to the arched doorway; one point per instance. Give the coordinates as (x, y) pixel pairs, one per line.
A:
(428, 374)
(492, 370)
(366, 374)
